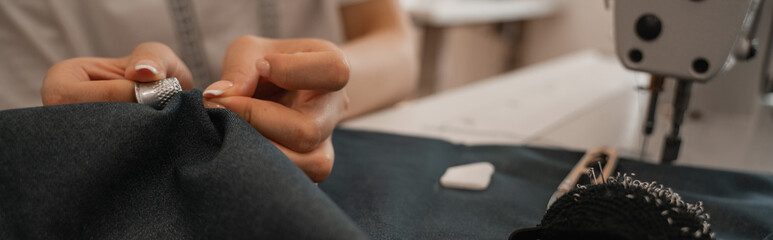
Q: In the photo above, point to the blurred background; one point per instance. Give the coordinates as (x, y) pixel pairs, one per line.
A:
(467, 40)
(545, 73)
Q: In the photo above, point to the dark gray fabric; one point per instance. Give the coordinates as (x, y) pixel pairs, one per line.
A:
(389, 185)
(125, 170)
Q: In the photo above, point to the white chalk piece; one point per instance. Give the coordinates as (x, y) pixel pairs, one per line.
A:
(473, 176)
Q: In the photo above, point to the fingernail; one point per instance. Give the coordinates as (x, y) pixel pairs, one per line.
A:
(208, 104)
(217, 88)
(264, 69)
(146, 65)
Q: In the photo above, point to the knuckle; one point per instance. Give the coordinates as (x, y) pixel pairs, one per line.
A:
(54, 70)
(321, 168)
(57, 95)
(156, 49)
(321, 164)
(275, 59)
(236, 74)
(308, 135)
(154, 45)
(52, 92)
(246, 113)
(244, 39)
(68, 64)
(345, 101)
(157, 52)
(109, 94)
(281, 69)
(323, 43)
(52, 97)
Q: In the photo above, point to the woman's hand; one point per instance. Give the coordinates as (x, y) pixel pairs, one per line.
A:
(290, 91)
(89, 79)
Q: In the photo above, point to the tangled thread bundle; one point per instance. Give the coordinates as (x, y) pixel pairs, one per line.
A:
(621, 207)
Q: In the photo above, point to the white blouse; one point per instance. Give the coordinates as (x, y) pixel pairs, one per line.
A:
(34, 35)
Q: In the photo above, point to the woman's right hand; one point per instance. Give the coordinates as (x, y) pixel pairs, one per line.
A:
(90, 79)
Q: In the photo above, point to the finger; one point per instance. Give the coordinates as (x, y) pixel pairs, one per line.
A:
(119, 90)
(293, 129)
(76, 80)
(316, 164)
(306, 63)
(240, 77)
(326, 70)
(153, 61)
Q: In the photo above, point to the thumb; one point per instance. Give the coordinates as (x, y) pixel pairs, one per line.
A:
(153, 61)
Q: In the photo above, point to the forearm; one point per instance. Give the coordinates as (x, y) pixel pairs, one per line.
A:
(383, 70)
(382, 56)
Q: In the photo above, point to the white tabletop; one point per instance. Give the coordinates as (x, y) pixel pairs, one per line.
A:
(576, 102)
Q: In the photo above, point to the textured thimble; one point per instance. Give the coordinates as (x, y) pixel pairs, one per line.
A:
(156, 94)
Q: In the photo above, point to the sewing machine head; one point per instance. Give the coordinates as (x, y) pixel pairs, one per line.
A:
(698, 41)
(687, 39)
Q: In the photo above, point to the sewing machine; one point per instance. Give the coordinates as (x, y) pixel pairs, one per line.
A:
(725, 46)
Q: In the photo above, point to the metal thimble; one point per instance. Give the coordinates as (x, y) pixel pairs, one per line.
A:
(156, 94)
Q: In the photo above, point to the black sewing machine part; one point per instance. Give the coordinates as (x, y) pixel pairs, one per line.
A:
(656, 86)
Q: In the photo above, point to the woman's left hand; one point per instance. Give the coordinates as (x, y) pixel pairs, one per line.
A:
(90, 79)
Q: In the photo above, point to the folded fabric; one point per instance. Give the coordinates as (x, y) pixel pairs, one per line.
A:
(125, 170)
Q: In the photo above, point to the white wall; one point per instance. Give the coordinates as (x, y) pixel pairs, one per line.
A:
(579, 24)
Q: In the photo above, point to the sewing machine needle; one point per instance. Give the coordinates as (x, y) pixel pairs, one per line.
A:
(643, 148)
